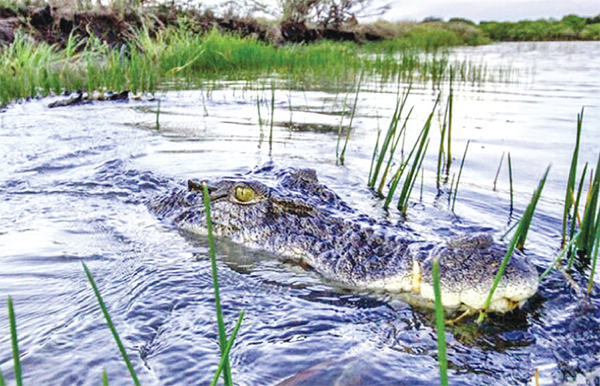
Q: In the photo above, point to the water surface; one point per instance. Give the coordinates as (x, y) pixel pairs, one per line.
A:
(74, 182)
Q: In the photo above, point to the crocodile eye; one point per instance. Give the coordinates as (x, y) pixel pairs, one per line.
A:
(245, 194)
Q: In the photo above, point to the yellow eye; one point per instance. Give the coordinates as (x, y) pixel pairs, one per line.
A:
(244, 194)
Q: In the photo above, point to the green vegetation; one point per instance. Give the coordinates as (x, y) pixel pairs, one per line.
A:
(224, 343)
(440, 323)
(184, 59)
(111, 326)
(570, 27)
(518, 241)
(15, 344)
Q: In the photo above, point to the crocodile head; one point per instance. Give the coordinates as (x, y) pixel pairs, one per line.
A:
(283, 216)
(291, 214)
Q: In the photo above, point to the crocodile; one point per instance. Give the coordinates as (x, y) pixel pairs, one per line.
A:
(291, 214)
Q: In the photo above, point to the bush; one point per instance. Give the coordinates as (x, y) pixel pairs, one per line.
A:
(591, 32)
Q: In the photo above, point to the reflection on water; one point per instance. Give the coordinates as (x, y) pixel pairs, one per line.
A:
(74, 181)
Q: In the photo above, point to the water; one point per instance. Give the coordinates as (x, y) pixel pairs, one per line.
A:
(74, 180)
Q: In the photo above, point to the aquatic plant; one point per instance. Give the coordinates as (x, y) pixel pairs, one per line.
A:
(569, 202)
(440, 322)
(181, 58)
(518, 240)
(462, 163)
(224, 344)
(510, 178)
(111, 325)
(392, 138)
(15, 344)
(342, 156)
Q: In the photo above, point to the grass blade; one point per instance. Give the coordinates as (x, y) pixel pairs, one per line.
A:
(528, 215)
(576, 207)
(225, 354)
(111, 325)
(510, 178)
(343, 155)
(213, 262)
(565, 249)
(593, 271)
(104, 378)
(440, 322)
(572, 174)
(158, 115)
(15, 344)
(518, 238)
(449, 137)
(498, 171)
(588, 225)
(390, 135)
(412, 173)
(375, 150)
(441, 151)
(272, 117)
(2, 380)
(462, 163)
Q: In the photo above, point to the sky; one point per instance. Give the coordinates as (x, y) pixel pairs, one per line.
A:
(479, 10)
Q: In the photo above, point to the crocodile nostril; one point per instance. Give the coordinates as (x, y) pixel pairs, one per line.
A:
(196, 186)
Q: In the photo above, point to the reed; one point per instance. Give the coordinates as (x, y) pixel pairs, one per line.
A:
(440, 322)
(272, 122)
(225, 354)
(1, 379)
(462, 163)
(15, 344)
(572, 176)
(589, 223)
(576, 217)
(213, 263)
(594, 260)
(518, 240)
(183, 58)
(111, 325)
(450, 105)
(423, 142)
(158, 114)
(343, 153)
(510, 178)
(568, 248)
(441, 150)
(389, 144)
(104, 378)
(223, 342)
(498, 171)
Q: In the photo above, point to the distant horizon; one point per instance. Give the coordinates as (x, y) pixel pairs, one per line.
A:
(478, 11)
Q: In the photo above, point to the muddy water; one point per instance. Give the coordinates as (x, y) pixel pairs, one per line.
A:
(73, 186)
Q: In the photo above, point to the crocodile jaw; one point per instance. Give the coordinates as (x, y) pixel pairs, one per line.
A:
(506, 297)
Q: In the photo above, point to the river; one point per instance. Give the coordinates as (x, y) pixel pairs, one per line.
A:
(73, 188)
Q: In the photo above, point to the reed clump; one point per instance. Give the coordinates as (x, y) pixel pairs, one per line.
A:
(581, 229)
(182, 58)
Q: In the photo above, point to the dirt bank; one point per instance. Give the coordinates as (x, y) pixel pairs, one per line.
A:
(54, 26)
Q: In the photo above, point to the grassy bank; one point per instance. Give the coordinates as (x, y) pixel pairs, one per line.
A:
(182, 58)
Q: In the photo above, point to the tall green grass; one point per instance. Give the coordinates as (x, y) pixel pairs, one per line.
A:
(389, 145)
(584, 233)
(182, 58)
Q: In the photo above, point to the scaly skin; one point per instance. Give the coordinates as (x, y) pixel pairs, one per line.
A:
(302, 220)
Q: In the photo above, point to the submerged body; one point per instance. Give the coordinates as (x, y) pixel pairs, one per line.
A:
(302, 220)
